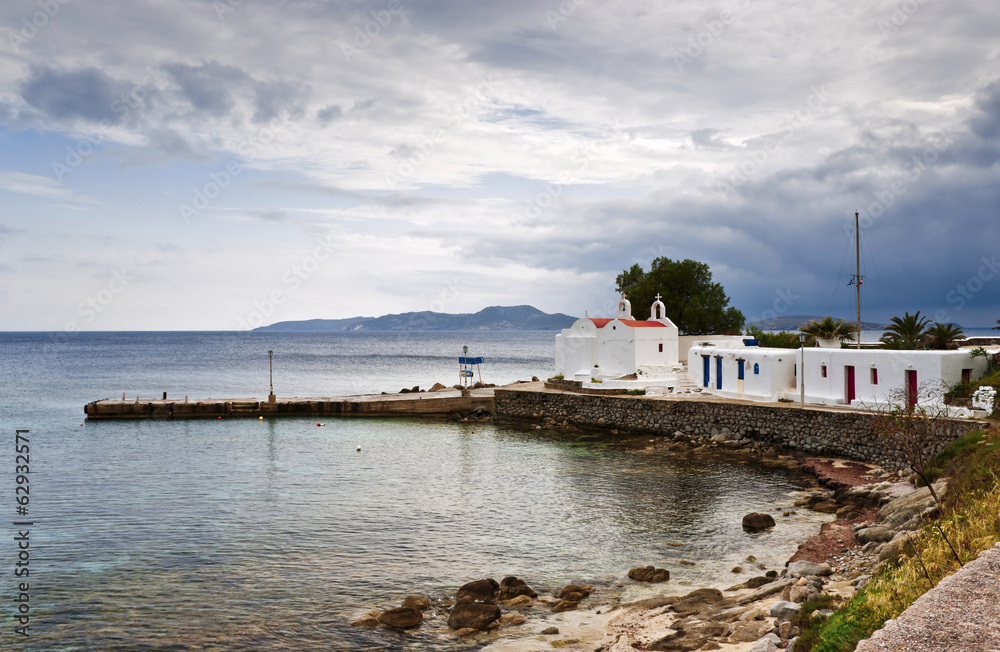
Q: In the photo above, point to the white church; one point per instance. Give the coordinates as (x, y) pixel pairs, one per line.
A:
(625, 352)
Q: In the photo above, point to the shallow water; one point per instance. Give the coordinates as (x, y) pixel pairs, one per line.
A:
(245, 534)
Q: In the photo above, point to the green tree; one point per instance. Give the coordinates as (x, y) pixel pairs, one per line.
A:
(693, 301)
(997, 327)
(829, 328)
(943, 336)
(780, 340)
(906, 332)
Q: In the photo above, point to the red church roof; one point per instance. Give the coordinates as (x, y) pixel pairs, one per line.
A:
(634, 323)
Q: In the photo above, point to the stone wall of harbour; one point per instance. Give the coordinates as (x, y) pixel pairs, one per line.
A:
(816, 431)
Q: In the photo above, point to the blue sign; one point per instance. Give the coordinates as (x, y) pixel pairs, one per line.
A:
(466, 373)
(463, 360)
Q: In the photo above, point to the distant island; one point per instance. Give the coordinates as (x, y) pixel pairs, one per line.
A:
(794, 322)
(494, 318)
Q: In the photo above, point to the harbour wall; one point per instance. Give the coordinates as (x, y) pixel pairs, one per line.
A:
(817, 431)
(423, 405)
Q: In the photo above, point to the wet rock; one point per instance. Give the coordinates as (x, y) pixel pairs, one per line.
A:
(511, 587)
(584, 589)
(826, 507)
(688, 639)
(418, 602)
(466, 631)
(771, 574)
(565, 642)
(468, 613)
(402, 618)
(512, 618)
(757, 582)
(519, 601)
(564, 605)
(803, 568)
(654, 603)
(480, 590)
(737, 569)
(368, 621)
(549, 631)
(755, 522)
(696, 601)
(649, 574)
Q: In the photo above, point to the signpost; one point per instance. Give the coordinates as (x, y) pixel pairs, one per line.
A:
(465, 365)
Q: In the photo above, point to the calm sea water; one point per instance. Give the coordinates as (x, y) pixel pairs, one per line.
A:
(273, 535)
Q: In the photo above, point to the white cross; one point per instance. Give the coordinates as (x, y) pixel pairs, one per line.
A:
(657, 296)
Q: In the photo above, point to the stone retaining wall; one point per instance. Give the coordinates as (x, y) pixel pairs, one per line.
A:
(814, 431)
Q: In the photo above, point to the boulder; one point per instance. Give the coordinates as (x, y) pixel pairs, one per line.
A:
(826, 507)
(469, 613)
(519, 601)
(402, 618)
(649, 574)
(479, 590)
(748, 632)
(583, 589)
(877, 533)
(688, 639)
(893, 549)
(696, 601)
(512, 618)
(803, 568)
(511, 587)
(755, 522)
(437, 387)
(548, 631)
(418, 602)
(768, 643)
(757, 582)
(799, 594)
(784, 610)
(564, 605)
(466, 631)
(909, 509)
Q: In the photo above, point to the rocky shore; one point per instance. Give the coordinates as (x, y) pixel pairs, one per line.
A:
(873, 514)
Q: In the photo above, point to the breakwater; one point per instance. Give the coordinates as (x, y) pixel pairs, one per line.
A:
(815, 430)
(436, 404)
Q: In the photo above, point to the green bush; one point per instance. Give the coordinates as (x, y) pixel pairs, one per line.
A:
(636, 392)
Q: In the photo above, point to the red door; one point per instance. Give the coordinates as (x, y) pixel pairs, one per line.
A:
(911, 387)
(849, 383)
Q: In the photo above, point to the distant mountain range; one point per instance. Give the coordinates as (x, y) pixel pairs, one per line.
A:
(794, 322)
(494, 318)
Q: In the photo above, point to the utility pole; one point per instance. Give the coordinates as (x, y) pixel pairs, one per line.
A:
(857, 275)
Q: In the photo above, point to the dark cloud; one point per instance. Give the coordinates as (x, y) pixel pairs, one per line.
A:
(209, 87)
(274, 99)
(165, 145)
(329, 113)
(986, 125)
(86, 93)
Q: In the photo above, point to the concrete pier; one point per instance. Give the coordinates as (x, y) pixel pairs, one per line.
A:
(423, 404)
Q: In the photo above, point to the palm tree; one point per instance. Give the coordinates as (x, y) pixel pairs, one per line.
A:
(943, 336)
(905, 332)
(997, 327)
(829, 328)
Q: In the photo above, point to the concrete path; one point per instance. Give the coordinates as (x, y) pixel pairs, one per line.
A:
(960, 614)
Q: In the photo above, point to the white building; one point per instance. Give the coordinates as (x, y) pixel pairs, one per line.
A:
(851, 377)
(611, 348)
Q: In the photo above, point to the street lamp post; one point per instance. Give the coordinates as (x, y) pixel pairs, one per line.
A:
(802, 371)
(270, 364)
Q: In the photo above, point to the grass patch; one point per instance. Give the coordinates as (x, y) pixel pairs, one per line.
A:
(636, 392)
(972, 523)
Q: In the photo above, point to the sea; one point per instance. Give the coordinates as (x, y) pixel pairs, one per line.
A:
(241, 534)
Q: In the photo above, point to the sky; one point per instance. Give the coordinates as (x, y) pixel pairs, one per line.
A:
(224, 164)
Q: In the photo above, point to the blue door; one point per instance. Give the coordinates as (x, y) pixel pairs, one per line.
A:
(739, 369)
(707, 368)
(718, 373)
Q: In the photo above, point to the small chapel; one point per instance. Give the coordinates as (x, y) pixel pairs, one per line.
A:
(602, 348)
